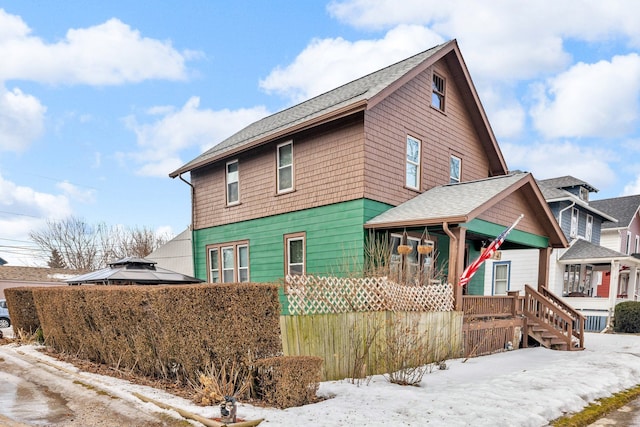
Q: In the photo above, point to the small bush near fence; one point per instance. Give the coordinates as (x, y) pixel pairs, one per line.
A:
(24, 316)
(627, 317)
(288, 380)
(167, 332)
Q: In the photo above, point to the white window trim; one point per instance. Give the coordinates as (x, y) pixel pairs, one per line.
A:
(628, 243)
(227, 182)
(575, 218)
(637, 244)
(234, 246)
(493, 278)
(294, 237)
(412, 163)
(455, 179)
(588, 234)
(279, 167)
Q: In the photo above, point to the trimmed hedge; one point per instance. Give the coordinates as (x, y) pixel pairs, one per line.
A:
(161, 331)
(288, 380)
(627, 317)
(22, 309)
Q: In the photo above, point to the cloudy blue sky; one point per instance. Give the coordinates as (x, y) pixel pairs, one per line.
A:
(99, 101)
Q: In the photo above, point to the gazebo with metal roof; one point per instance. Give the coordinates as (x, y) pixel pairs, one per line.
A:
(133, 271)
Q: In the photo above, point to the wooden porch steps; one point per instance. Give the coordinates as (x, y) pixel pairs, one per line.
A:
(551, 322)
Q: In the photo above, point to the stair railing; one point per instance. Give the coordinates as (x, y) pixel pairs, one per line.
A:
(548, 309)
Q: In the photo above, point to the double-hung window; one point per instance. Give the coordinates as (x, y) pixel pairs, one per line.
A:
(455, 165)
(501, 278)
(233, 184)
(437, 95)
(229, 262)
(294, 254)
(589, 230)
(628, 249)
(285, 167)
(574, 223)
(413, 163)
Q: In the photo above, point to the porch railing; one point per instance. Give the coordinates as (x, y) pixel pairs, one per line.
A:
(481, 306)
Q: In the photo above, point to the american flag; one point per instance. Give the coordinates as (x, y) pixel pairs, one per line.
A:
(471, 269)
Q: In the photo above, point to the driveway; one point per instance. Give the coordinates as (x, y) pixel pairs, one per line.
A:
(36, 392)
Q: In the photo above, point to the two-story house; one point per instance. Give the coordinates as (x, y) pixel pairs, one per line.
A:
(405, 152)
(622, 236)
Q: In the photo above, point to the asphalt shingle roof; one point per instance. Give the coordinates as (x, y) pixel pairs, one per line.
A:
(566, 182)
(582, 249)
(447, 201)
(361, 89)
(622, 208)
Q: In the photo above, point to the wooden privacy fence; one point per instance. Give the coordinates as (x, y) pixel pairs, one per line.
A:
(318, 295)
(357, 344)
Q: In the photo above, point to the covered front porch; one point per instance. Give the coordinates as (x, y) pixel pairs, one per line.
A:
(595, 279)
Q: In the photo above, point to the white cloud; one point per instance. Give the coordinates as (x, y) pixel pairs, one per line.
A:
(591, 100)
(110, 53)
(329, 63)
(550, 160)
(21, 119)
(503, 38)
(84, 195)
(632, 187)
(22, 209)
(175, 131)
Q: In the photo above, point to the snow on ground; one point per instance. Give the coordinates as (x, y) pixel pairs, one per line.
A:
(527, 387)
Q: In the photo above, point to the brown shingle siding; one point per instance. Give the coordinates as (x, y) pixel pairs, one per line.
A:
(328, 168)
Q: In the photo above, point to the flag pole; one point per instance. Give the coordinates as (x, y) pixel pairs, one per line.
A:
(471, 269)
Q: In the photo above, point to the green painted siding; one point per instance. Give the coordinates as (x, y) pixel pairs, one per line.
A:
(516, 236)
(334, 239)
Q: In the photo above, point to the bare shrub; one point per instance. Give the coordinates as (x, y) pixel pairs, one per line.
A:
(362, 339)
(217, 382)
(405, 353)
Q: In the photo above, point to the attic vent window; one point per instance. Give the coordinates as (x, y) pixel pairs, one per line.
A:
(437, 96)
(584, 194)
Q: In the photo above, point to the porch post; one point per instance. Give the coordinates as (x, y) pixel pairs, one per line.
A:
(456, 263)
(613, 291)
(633, 283)
(544, 257)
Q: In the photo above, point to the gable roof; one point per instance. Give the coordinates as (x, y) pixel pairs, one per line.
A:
(587, 252)
(462, 202)
(567, 181)
(623, 208)
(350, 98)
(552, 190)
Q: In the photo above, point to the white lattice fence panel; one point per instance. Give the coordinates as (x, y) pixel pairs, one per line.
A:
(321, 295)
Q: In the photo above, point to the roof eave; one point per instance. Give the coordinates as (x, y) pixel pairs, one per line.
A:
(345, 111)
(418, 222)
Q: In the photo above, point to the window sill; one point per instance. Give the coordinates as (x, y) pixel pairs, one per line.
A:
(282, 193)
(444, 113)
(415, 190)
(232, 205)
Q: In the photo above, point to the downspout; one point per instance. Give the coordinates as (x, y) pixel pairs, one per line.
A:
(193, 221)
(562, 210)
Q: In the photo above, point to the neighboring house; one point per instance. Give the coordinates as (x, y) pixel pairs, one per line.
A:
(622, 236)
(176, 254)
(580, 274)
(18, 276)
(406, 153)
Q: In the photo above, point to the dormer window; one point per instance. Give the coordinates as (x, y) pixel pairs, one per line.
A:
(437, 95)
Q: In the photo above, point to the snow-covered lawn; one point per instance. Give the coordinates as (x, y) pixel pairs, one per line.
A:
(527, 387)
